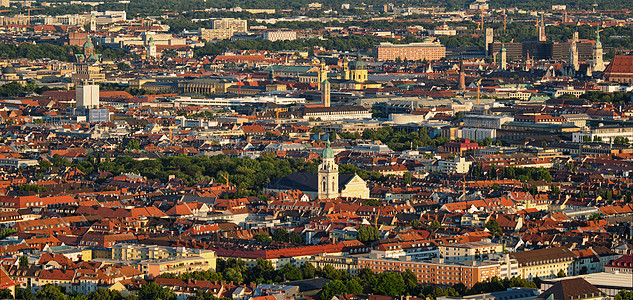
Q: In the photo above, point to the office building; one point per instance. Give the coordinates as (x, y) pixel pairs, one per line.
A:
(427, 50)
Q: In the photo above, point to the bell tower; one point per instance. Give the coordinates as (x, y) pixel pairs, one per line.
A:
(328, 175)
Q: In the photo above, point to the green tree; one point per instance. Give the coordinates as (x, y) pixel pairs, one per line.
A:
(132, 145)
(494, 228)
(123, 66)
(390, 284)
(289, 272)
(5, 232)
(51, 292)
(624, 295)
(407, 178)
(280, 235)
(367, 234)
(436, 224)
(104, 294)
(263, 238)
(308, 270)
(45, 165)
(153, 291)
(372, 202)
(331, 289)
(295, 238)
(5, 294)
(233, 275)
(24, 294)
(23, 261)
(561, 273)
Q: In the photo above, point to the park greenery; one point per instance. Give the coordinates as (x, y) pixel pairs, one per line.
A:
(13, 89)
(249, 175)
(395, 139)
(615, 98)
(150, 291)
(367, 282)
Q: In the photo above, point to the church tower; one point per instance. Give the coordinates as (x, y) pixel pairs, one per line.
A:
(328, 175)
(151, 48)
(503, 60)
(322, 75)
(597, 64)
(462, 75)
(345, 69)
(573, 52)
(93, 23)
(325, 93)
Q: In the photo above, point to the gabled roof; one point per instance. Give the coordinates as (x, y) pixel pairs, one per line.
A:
(568, 289)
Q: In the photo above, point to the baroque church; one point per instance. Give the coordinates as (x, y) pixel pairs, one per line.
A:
(326, 184)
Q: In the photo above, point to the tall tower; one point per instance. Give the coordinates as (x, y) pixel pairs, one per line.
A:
(462, 75)
(541, 30)
(322, 74)
(325, 93)
(573, 52)
(93, 23)
(528, 62)
(328, 175)
(503, 62)
(151, 48)
(345, 69)
(598, 63)
(490, 37)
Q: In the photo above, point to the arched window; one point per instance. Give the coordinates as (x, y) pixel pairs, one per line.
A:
(324, 186)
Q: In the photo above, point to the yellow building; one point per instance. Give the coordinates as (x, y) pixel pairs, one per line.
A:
(179, 265)
(354, 77)
(145, 252)
(544, 263)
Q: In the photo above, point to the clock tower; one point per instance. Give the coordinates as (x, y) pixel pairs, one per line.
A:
(328, 175)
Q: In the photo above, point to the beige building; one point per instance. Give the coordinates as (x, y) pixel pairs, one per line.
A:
(280, 35)
(223, 28)
(87, 73)
(206, 86)
(477, 251)
(131, 252)
(456, 165)
(426, 50)
(179, 265)
(544, 263)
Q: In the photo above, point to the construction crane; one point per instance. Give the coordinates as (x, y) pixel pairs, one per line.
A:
(278, 110)
(226, 177)
(28, 20)
(478, 90)
(482, 19)
(505, 20)
(171, 128)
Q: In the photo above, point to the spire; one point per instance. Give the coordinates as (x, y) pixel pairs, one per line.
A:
(462, 74)
(503, 62)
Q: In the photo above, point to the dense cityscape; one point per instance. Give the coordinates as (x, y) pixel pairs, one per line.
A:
(316, 150)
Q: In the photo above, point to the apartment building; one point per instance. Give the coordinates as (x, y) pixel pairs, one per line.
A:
(462, 252)
(436, 271)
